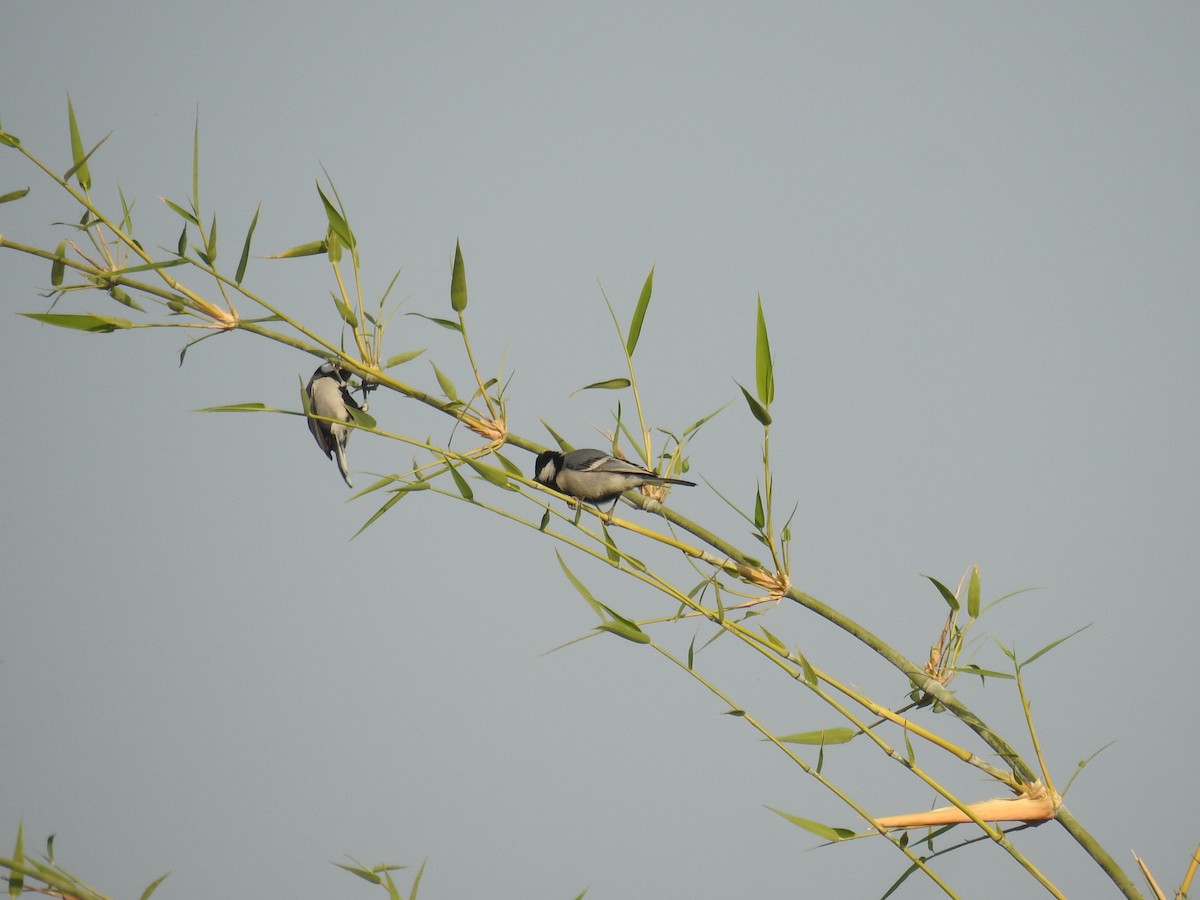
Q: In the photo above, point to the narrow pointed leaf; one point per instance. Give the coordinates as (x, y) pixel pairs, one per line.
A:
(361, 417)
(490, 474)
(973, 593)
(344, 311)
(400, 358)
(212, 241)
(947, 594)
(364, 874)
(241, 269)
(337, 223)
(824, 736)
(695, 426)
(545, 520)
(828, 832)
(764, 367)
(181, 247)
(153, 886)
(458, 281)
(180, 211)
(1054, 644)
(93, 323)
(810, 674)
(639, 314)
(196, 164)
(58, 268)
(16, 880)
(121, 296)
(9, 140)
(312, 248)
(71, 171)
(757, 409)
(392, 501)
(445, 323)
(612, 384)
(82, 175)
(13, 195)
(461, 484)
(760, 518)
(446, 384)
(579, 586)
(626, 630)
(239, 407)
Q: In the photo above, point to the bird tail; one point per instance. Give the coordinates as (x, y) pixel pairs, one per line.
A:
(341, 461)
(676, 481)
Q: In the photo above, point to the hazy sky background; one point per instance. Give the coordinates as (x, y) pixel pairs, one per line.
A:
(975, 232)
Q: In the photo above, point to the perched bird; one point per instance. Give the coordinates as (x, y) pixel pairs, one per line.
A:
(329, 396)
(593, 476)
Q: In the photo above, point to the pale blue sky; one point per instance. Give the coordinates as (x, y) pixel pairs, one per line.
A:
(974, 229)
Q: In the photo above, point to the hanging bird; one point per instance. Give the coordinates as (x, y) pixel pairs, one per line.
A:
(593, 476)
(329, 396)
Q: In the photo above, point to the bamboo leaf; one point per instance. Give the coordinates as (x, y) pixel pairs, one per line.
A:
(579, 586)
(490, 473)
(760, 518)
(391, 501)
(344, 311)
(181, 247)
(824, 736)
(810, 674)
(946, 593)
(241, 269)
(828, 832)
(196, 164)
(16, 879)
(444, 381)
(445, 323)
(153, 886)
(639, 314)
(757, 409)
(764, 367)
(58, 268)
(695, 426)
(400, 358)
(240, 407)
(461, 484)
(973, 593)
(458, 281)
(94, 323)
(612, 384)
(337, 224)
(361, 417)
(13, 195)
(312, 248)
(364, 874)
(1054, 644)
(179, 210)
(211, 247)
(121, 296)
(626, 630)
(80, 168)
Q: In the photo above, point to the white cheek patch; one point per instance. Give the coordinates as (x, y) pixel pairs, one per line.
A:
(545, 474)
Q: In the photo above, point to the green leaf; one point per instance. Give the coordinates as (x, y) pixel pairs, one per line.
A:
(579, 586)
(545, 520)
(625, 629)
(446, 384)
(241, 269)
(458, 282)
(775, 642)
(392, 501)
(181, 247)
(364, 874)
(153, 886)
(337, 224)
(16, 880)
(824, 736)
(445, 323)
(973, 593)
(490, 473)
(764, 371)
(461, 484)
(9, 140)
(400, 358)
(946, 593)
(196, 163)
(613, 384)
(1054, 644)
(94, 323)
(639, 314)
(239, 407)
(212, 241)
(312, 248)
(80, 169)
(58, 268)
(810, 674)
(757, 409)
(691, 429)
(361, 417)
(179, 210)
(344, 311)
(828, 832)
(118, 293)
(760, 518)
(13, 195)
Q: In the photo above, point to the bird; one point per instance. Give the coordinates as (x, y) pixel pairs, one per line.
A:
(329, 397)
(594, 476)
